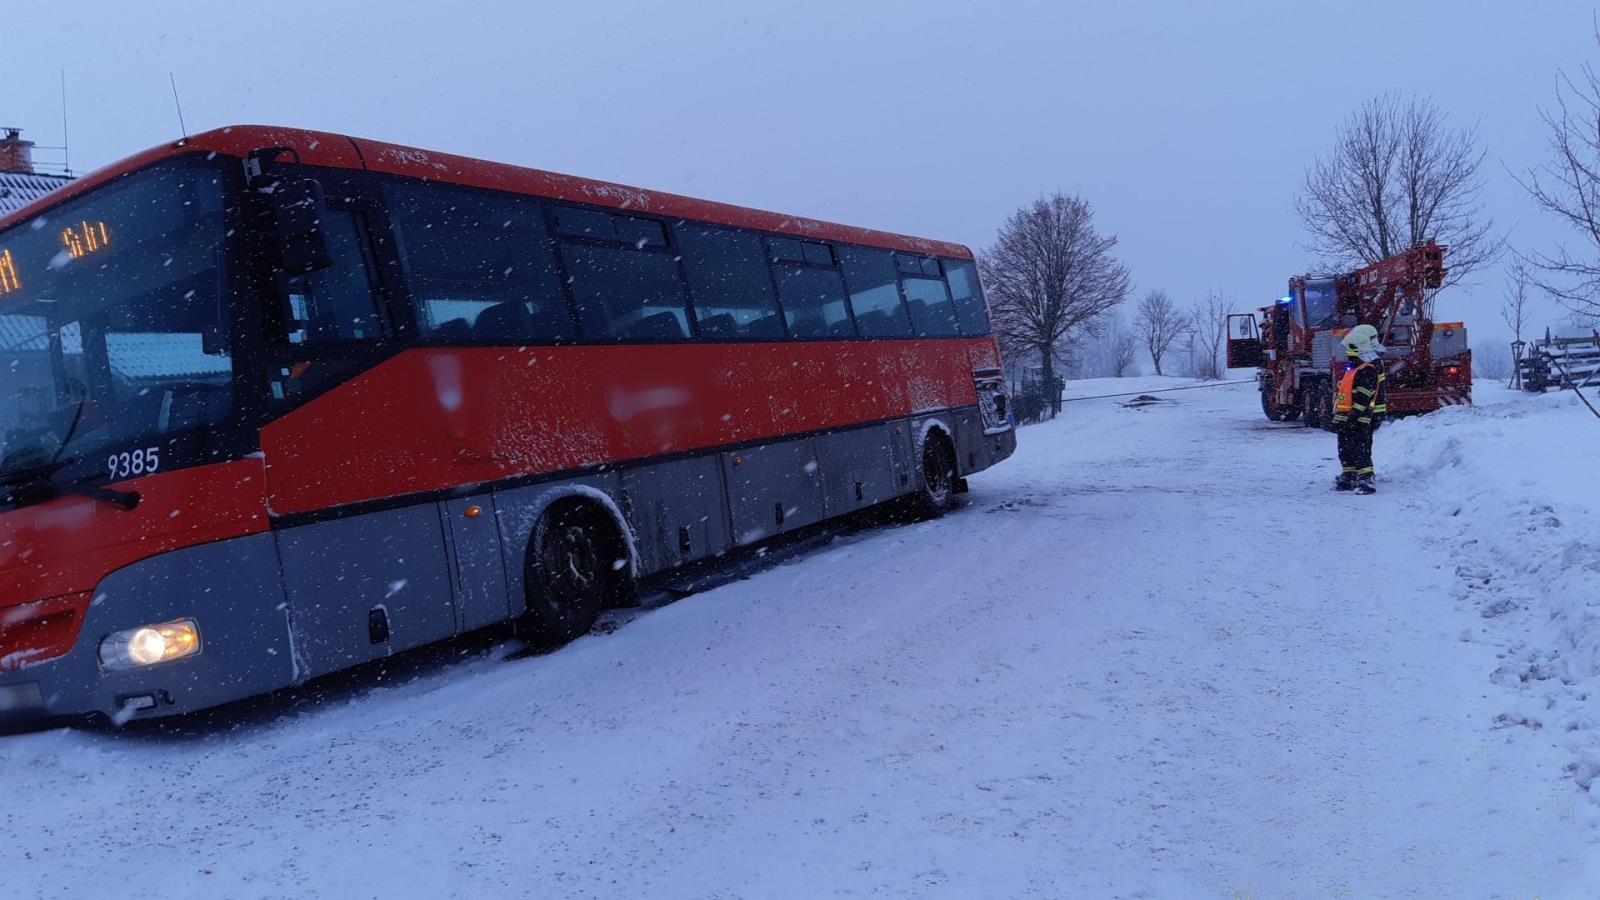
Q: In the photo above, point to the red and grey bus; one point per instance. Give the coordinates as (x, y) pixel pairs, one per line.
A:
(279, 403)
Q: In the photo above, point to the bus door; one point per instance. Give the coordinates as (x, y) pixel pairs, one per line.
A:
(361, 583)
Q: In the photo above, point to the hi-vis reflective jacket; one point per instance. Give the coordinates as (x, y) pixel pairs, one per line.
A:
(1361, 394)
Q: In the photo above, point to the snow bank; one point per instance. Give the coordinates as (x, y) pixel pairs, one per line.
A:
(1512, 485)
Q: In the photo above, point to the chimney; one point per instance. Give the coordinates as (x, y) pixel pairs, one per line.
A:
(16, 154)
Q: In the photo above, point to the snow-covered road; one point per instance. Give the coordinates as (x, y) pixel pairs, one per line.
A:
(1152, 657)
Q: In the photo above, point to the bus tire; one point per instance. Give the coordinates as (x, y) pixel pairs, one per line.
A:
(938, 492)
(577, 566)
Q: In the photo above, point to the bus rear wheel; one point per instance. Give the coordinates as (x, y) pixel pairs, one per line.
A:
(577, 566)
(938, 492)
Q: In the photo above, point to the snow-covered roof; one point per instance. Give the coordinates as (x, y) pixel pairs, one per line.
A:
(134, 355)
(137, 355)
(22, 333)
(18, 189)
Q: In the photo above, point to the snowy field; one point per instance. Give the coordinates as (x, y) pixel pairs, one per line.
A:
(1153, 656)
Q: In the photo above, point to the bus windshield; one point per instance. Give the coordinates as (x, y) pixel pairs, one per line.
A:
(112, 318)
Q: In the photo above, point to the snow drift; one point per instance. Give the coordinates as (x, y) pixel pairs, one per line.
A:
(1512, 485)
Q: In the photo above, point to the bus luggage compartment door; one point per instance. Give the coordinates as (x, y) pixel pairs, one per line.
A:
(343, 574)
(676, 512)
(772, 489)
(857, 469)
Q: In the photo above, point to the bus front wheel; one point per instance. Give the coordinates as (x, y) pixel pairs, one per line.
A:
(577, 566)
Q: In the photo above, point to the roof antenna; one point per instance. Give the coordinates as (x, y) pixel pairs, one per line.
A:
(66, 154)
(178, 104)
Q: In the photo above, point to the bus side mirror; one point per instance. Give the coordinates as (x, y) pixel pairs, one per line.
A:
(298, 209)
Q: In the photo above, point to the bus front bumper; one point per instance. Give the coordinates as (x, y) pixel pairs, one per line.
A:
(230, 589)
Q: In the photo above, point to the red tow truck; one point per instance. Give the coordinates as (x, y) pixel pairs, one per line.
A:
(1294, 344)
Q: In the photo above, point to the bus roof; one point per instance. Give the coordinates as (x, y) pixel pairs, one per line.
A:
(342, 152)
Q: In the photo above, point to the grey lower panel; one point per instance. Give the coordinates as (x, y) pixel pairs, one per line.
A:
(858, 468)
(231, 588)
(1000, 445)
(477, 562)
(341, 573)
(971, 451)
(677, 511)
(773, 488)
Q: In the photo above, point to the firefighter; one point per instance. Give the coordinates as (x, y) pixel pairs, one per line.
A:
(1359, 409)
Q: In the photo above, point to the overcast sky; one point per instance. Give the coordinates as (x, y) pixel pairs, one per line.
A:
(1187, 125)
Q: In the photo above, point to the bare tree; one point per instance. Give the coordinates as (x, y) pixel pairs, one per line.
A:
(1568, 187)
(1112, 351)
(1050, 274)
(1398, 176)
(1121, 346)
(1159, 324)
(1514, 309)
(1210, 318)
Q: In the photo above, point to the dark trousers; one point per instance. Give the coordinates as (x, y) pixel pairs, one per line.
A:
(1355, 449)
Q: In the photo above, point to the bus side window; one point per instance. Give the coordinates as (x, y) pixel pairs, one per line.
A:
(728, 279)
(932, 312)
(811, 289)
(338, 303)
(971, 316)
(624, 277)
(875, 292)
(479, 266)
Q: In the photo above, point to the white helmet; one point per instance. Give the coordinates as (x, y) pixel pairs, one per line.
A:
(1362, 341)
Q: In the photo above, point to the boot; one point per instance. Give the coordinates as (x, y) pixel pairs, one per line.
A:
(1364, 485)
(1345, 482)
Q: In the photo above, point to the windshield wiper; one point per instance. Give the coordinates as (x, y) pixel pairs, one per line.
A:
(40, 472)
(36, 484)
(123, 499)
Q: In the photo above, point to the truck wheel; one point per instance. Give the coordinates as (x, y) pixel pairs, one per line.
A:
(572, 572)
(1324, 405)
(1311, 404)
(1268, 391)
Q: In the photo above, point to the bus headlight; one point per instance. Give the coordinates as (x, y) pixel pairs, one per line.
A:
(150, 645)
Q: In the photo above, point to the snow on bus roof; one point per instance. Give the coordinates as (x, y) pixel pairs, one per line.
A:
(343, 152)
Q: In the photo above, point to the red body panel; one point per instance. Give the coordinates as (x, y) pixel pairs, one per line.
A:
(431, 419)
(66, 546)
(70, 543)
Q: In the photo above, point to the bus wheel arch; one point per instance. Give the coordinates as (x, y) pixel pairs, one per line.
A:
(580, 561)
